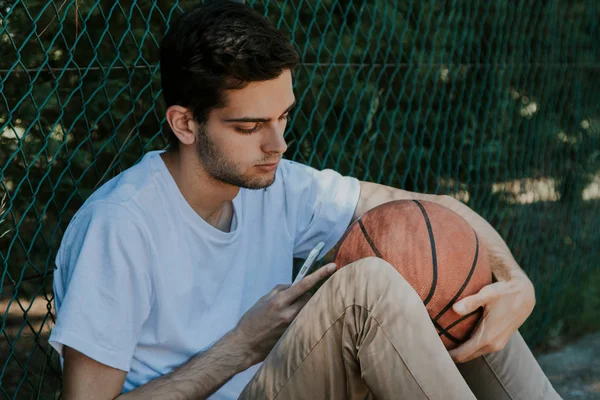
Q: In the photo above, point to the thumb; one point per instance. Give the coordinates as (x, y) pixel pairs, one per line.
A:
(468, 304)
(471, 303)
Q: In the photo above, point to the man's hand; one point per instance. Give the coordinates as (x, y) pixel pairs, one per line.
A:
(261, 326)
(506, 305)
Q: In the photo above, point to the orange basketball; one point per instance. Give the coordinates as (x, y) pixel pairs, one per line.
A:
(434, 249)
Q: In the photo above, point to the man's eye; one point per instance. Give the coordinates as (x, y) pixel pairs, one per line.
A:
(248, 131)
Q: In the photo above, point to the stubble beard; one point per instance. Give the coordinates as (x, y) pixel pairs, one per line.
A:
(224, 170)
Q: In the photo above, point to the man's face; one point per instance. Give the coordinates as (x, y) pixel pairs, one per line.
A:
(246, 133)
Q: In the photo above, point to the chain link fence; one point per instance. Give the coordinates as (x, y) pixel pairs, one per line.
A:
(494, 102)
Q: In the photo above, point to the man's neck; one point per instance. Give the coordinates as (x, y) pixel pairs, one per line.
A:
(211, 199)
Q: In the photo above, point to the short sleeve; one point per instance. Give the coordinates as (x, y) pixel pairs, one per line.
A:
(325, 203)
(102, 286)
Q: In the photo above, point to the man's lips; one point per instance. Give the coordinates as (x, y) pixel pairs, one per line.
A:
(268, 167)
(269, 164)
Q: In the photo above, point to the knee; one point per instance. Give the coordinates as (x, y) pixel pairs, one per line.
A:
(374, 269)
(375, 277)
(373, 262)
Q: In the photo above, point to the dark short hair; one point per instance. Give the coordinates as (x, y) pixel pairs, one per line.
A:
(219, 45)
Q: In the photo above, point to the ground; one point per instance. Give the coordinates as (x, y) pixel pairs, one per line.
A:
(574, 370)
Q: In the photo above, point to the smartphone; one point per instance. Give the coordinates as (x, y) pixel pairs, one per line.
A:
(309, 262)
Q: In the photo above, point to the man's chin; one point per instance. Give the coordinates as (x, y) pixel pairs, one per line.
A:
(258, 184)
(249, 183)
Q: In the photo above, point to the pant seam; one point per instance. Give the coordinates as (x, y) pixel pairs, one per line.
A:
(397, 352)
(307, 354)
(327, 330)
(497, 377)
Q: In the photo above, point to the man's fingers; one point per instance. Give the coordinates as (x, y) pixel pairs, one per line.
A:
(308, 282)
(491, 347)
(476, 343)
(311, 280)
(293, 310)
(277, 289)
(473, 356)
(465, 350)
(301, 302)
(472, 303)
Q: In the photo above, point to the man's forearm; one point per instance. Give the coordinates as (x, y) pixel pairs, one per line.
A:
(504, 265)
(201, 376)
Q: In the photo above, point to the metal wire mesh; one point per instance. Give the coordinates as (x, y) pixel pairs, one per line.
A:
(494, 102)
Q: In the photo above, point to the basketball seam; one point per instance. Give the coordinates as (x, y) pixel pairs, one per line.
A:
(369, 240)
(458, 321)
(433, 253)
(442, 331)
(465, 283)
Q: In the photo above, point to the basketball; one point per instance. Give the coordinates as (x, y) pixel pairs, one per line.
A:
(434, 249)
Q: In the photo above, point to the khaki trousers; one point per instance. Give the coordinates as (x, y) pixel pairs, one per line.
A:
(366, 334)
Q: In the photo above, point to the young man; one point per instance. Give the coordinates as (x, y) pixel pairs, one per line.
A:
(173, 279)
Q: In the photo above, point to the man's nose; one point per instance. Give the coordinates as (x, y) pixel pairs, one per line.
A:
(275, 142)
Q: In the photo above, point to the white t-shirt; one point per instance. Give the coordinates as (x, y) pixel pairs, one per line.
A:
(143, 283)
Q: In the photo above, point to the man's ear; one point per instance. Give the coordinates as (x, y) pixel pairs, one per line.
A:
(182, 124)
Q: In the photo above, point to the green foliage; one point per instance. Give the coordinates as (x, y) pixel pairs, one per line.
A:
(461, 97)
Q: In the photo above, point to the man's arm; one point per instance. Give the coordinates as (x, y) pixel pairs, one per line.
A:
(247, 344)
(201, 376)
(504, 266)
(86, 379)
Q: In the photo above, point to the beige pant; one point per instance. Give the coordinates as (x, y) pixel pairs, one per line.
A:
(366, 334)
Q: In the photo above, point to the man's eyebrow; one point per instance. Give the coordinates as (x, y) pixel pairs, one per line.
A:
(249, 119)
